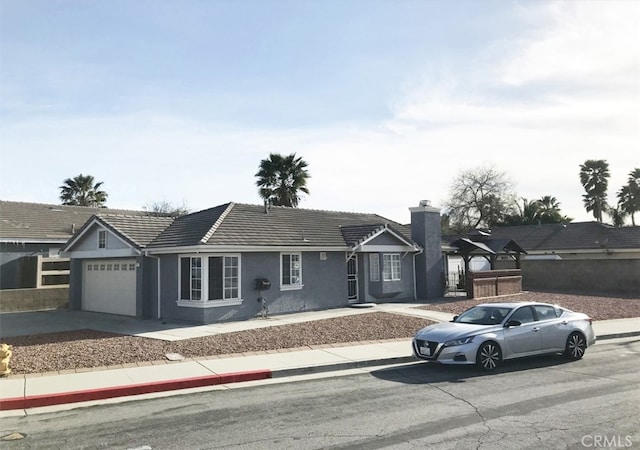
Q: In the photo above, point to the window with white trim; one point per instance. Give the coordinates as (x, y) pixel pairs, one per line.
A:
(291, 270)
(102, 238)
(374, 267)
(391, 267)
(210, 278)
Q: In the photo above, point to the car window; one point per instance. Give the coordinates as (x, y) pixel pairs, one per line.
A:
(483, 315)
(523, 315)
(545, 312)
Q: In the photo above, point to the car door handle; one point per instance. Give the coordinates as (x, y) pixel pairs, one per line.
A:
(535, 329)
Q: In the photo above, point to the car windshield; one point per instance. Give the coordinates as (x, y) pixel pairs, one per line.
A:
(483, 315)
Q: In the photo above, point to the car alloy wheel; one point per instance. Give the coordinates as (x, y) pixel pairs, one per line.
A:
(489, 356)
(576, 346)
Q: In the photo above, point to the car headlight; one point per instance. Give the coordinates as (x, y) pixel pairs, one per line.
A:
(462, 341)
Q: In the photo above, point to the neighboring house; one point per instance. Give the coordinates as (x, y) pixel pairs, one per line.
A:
(579, 240)
(217, 264)
(582, 256)
(31, 236)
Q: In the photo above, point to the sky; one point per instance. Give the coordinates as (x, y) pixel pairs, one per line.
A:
(388, 101)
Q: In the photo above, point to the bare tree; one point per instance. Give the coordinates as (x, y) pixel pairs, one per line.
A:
(165, 208)
(479, 197)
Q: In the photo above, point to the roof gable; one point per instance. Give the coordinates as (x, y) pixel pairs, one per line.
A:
(359, 235)
(136, 231)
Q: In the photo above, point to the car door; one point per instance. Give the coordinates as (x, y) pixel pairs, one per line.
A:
(525, 338)
(554, 331)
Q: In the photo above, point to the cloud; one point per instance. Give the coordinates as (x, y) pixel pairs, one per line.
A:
(588, 43)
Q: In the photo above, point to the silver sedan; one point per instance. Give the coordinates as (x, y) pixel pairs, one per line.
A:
(487, 334)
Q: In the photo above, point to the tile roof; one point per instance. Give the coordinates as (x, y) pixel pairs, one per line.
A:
(139, 230)
(572, 236)
(38, 222)
(191, 229)
(355, 234)
(239, 224)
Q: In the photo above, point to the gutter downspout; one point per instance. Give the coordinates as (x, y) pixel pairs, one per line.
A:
(415, 287)
(157, 258)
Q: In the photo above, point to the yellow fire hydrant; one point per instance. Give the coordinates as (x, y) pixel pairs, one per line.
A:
(5, 357)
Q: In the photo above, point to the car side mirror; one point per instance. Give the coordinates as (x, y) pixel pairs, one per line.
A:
(454, 318)
(512, 323)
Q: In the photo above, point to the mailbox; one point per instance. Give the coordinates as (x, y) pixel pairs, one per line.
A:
(262, 284)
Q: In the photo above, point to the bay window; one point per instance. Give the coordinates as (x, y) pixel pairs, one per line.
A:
(210, 279)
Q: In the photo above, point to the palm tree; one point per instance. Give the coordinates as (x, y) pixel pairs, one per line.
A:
(81, 191)
(281, 178)
(618, 215)
(549, 210)
(594, 177)
(629, 195)
(527, 214)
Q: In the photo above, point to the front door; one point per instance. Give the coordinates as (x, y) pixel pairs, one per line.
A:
(352, 279)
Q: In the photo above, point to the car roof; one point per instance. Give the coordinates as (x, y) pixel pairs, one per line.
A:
(515, 304)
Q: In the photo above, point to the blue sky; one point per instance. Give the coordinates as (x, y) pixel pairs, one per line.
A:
(386, 100)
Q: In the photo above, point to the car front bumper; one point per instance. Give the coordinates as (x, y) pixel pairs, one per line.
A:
(438, 352)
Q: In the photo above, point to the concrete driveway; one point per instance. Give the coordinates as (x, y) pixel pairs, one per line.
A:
(41, 322)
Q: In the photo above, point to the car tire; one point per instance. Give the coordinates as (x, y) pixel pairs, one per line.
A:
(489, 356)
(576, 346)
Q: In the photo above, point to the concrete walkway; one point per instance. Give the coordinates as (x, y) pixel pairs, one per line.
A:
(22, 392)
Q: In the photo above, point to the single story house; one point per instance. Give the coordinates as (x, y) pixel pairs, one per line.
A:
(220, 263)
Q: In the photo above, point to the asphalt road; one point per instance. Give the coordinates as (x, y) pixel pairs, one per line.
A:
(538, 403)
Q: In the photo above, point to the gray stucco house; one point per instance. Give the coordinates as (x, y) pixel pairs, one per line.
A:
(215, 265)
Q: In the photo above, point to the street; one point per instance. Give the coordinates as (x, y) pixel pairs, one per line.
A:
(544, 402)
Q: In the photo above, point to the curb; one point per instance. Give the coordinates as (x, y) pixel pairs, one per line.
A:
(34, 401)
(282, 373)
(617, 335)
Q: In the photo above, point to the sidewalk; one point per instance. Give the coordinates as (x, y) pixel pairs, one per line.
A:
(31, 391)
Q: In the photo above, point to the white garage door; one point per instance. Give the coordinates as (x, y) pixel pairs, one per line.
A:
(109, 286)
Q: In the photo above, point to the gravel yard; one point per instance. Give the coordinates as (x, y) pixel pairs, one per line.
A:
(89, 349)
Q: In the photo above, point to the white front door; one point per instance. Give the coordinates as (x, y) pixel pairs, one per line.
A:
(352, 279)
(109, 286)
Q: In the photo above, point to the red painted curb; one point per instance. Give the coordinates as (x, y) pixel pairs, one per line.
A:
(35, 401)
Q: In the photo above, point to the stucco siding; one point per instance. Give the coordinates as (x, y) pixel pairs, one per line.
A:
(324, 285)
(385, 239)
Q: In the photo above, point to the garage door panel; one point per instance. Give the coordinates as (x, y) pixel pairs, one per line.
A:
(110, 287)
